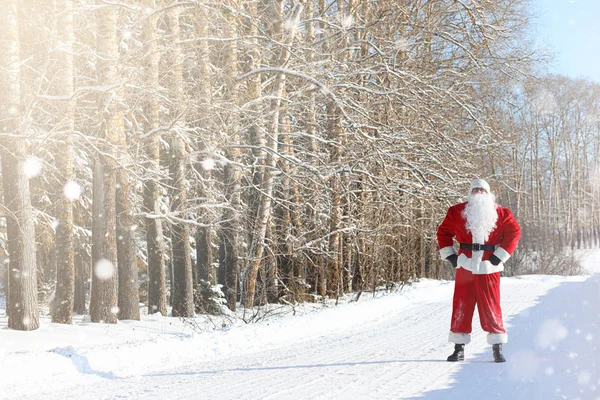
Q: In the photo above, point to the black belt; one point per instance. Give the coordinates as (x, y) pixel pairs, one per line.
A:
(477, 247)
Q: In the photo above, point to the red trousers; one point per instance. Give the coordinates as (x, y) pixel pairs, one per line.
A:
(483, 290)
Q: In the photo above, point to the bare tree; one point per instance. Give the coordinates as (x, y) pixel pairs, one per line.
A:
(22, 299)
(228, 235)
(264, 208)
(103, 305)
(62, 310)
(204, 254)
(128, 286)
(317, 143)
(157, 279)
(182, 290)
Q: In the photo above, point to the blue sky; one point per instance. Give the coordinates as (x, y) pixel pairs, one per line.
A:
(570, 28)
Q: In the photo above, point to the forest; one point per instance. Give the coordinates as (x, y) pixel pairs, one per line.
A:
(168, 155)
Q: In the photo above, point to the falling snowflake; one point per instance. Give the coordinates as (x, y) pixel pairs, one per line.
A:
(584, 377)
(32, 167)
(114, 310)
(401, 44)
(72, 190)
(104, 269)
(544, 102)
(208, 164)
(551, 333)
(325, 91)
(291, 25)
(348, 22)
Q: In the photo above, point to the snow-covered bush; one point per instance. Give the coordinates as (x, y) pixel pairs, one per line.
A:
(208, 298)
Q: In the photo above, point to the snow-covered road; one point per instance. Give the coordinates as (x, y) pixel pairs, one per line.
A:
(392, 347)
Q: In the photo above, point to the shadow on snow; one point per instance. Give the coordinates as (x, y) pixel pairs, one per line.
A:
(552, 352)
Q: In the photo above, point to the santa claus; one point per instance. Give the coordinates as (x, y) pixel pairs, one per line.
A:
(487, 235)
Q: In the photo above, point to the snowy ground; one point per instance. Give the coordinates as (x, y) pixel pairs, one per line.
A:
(393, 346)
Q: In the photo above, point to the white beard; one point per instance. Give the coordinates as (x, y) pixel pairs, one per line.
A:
(481, 216)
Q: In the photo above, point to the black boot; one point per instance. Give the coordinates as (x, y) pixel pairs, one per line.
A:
(497, 350)
(459, 353)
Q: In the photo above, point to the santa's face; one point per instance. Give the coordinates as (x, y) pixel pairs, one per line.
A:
(478, 190)
(480, 214)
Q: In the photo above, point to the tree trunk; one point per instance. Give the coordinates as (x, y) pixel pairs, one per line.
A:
(183, 303)
(287, 262)
(266, 184)
(103, 304)
(228, 250)
(82, 268)
(333, 268)
(182, 290)
(203, 235)
(62, 308)
(314, 269)
(128, 294)
(22, 307)
(256, 134)
(264, 211)
(129, 297)
(157, 275)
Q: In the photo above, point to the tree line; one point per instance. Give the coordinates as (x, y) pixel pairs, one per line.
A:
(286, 150)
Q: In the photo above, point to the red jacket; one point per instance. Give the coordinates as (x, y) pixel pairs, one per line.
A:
(505, 237)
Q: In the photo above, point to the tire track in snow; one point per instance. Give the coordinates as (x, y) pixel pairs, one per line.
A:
(396, 356)
(362, 351)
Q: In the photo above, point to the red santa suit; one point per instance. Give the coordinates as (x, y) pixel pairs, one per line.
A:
(477, 279)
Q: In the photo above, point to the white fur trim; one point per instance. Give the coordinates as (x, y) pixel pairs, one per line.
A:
(478, 267)
(502, 254)
(464, 261)
(459, 338)
(480, 183)
(447, 251)
(486, 267)
(495, 338)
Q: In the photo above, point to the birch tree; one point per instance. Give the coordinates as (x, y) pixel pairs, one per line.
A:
(264, 209)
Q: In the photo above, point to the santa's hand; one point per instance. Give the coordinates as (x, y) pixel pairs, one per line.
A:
(495, 260)
(453, 258)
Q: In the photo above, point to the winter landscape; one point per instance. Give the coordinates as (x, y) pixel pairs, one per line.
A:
(391, 346)
(265, 199)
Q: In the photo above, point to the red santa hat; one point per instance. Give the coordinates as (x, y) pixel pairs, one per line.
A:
(480, 183)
